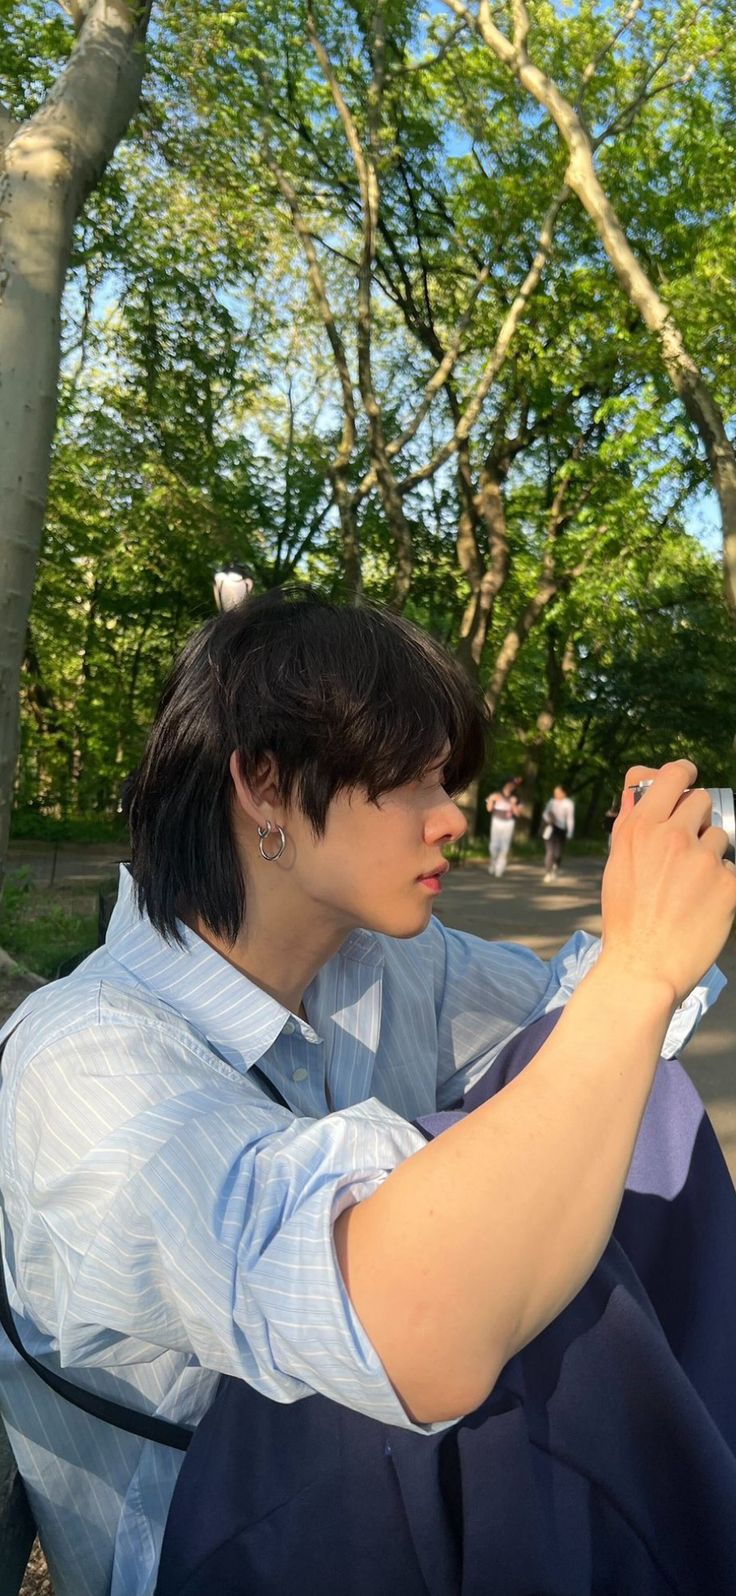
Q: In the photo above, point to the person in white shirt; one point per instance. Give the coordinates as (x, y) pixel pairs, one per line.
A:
(558, 825)
(207, 1158)
(503, 807)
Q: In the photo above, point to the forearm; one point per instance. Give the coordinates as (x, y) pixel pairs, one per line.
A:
(477, 1242)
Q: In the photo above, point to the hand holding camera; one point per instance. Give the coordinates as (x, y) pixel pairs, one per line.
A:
(669, 892)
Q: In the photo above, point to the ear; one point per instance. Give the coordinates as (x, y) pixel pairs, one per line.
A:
(258, 799)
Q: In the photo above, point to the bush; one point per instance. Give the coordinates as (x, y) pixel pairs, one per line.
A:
(30, 826)
(38, 930)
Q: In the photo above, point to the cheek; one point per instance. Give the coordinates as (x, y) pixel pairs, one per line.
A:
(373, 855)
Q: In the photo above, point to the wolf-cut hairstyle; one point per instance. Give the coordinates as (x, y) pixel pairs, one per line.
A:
(341, 696)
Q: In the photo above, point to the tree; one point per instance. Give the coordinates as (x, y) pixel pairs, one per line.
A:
(581, 175)
(635, 665)
(54, 147)
(334, 313)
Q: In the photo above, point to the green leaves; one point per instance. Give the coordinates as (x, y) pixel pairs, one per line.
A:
(202, 409)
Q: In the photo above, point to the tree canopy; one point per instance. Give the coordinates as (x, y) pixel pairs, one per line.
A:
(336, 312)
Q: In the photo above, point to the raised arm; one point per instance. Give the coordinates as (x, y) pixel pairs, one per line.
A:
(478, 1241)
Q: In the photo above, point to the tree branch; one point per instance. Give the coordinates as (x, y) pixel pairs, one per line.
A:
(434, 60)
(367, 173)
(341, 463)
(582, 177)
(89, 106)
(318, 287)
(74, 12)
(437, 381)
(500, 350)
(369, 200)
(592, 67)
(521, 24)
(293, 557)
(644, 93)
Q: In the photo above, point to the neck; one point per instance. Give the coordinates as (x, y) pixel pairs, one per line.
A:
(280, 952)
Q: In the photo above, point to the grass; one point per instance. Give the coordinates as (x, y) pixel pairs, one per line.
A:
(42, 928)
(27, 826)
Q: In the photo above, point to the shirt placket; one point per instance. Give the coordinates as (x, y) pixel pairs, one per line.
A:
(296, 1066)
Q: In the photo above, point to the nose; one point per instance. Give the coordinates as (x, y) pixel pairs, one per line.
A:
(445, 823)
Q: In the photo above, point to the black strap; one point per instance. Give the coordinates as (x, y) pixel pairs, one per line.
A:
(145, 1425)
(269, 1088)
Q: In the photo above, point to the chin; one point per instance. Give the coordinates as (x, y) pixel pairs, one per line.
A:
(402, 924)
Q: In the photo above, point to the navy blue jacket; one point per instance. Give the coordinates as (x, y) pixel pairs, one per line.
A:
(602, 1464)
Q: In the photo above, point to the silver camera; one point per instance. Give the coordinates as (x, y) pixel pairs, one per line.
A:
(723, 804)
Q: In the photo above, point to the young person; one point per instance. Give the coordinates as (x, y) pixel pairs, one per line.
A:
(207, 1158)
(503, 808)
(558, 825)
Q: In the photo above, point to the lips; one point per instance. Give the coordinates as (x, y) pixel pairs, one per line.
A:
(433, 875)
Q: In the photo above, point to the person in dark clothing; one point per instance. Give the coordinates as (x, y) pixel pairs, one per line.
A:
(558, 825)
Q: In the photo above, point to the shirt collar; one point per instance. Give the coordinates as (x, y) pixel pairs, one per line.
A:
(238, 1018)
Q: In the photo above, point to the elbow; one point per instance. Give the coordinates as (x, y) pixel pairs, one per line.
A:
(441, 1401)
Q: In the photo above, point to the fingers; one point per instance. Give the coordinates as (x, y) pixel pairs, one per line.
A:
(638, 773)
(668, 785)
(716, 840)
(693, 812)
(634, 776)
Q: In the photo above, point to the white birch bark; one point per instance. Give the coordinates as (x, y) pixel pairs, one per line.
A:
(48, 165)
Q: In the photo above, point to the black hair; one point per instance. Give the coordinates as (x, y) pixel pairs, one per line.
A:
(341, 697)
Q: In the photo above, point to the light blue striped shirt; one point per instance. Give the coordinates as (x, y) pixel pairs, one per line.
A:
(165, 1220)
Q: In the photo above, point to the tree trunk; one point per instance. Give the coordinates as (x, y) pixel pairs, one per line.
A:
(49, 165)
(487, 581)
(515, 639)
(558, 670)
(598, 785)
(81, 739)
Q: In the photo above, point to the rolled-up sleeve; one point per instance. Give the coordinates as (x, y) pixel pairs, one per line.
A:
(485, 992)
(578, 956)
(197, 1220)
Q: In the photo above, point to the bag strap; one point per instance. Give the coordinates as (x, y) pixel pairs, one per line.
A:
(145, 1425)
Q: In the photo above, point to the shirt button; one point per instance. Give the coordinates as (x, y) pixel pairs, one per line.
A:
(289, 1028)
(300, 1075)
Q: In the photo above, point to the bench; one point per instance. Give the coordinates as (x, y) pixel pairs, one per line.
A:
(17, 1529)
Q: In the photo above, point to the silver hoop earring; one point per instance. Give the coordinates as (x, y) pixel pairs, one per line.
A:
(263, 833)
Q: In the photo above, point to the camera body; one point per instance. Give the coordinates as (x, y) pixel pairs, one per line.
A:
(723, 803)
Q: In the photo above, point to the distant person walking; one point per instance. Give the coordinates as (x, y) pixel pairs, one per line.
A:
(503, 807)
(558, 824)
